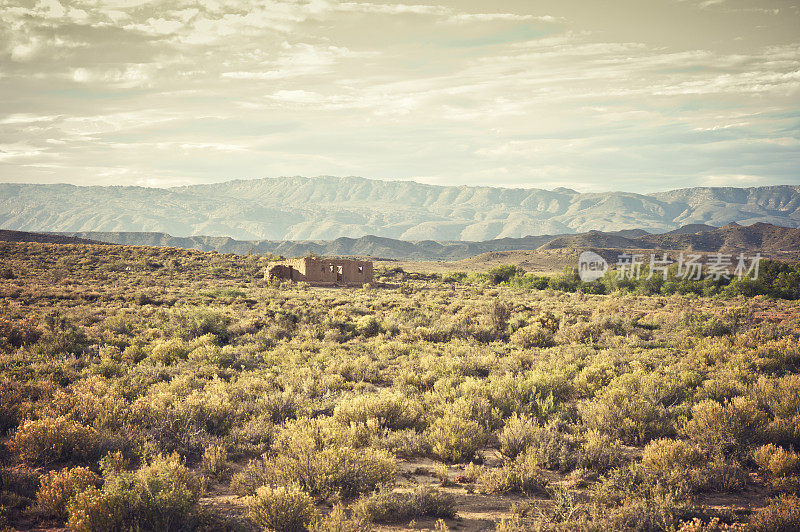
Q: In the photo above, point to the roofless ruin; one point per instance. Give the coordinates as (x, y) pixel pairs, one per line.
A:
(322, 272)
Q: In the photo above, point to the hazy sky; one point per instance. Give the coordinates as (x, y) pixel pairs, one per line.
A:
(638, 95)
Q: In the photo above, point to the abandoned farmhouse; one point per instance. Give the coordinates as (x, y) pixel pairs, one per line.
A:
(322, 272)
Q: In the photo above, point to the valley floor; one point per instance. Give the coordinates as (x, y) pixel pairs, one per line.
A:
(169, 389)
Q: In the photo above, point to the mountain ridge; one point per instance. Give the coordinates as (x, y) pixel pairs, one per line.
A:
(327, 207)
(733, 238)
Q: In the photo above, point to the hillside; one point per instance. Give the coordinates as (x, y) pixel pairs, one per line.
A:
(42, 238)
(326, 208)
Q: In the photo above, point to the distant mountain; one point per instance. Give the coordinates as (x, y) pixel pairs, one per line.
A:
(732, 238)
(326, 208)
(768, 239)
(44, 238)
(690, 228)
(370, 245)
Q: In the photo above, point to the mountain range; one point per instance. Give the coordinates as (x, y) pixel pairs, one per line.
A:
(327, 208)
(769, 240)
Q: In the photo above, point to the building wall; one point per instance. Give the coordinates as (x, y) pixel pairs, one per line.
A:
(323, 271)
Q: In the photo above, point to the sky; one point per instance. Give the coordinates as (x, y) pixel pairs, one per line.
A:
(635, 95)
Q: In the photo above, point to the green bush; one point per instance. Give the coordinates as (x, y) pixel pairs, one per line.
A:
(204, 350)
(369, 326)
(392, 506)
(503, 274)
(280, 509)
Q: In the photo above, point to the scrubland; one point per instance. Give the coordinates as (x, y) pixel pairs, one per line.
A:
(166, 389)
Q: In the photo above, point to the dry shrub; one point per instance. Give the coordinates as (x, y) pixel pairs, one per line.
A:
(204, 350)
(714, 525)
(781, 515)
(532, 336)
(252, 438)
(551, 448)
(51, 440)
(403, 443)
(391, 506)
(58, 487)
(730, 428)
(199, 322)
(20, 400)
(322, 468)
(96, 401)
(391, 410)
(170, 351)
(338, 521)
(776, 461)
(666, 454)
(521, 475)
(456, 439)
(600, 452)
(281, 509)
(627, 414)
(160, 496)
(723, 474)
(674, 465)
(582, 332)
(17, 333)
(517, 435)
(215, 462)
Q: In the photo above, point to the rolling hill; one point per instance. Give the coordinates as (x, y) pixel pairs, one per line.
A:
(43, 238)
(768, 239)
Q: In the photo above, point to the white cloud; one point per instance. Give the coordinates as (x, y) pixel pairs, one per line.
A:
(721, 127)
(26, 118)
(158, 26)
(123, 77)
(51, 8)
(25, 51)
(506, 17)
(393, 9)
(743, 180)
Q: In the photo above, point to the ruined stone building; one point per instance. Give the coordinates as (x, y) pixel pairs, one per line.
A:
(322, 272)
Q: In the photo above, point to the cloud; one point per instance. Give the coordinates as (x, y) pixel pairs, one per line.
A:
(505, 17)
(167, 91)
(393, 9)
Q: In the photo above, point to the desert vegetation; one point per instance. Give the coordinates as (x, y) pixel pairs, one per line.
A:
(168, 389)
